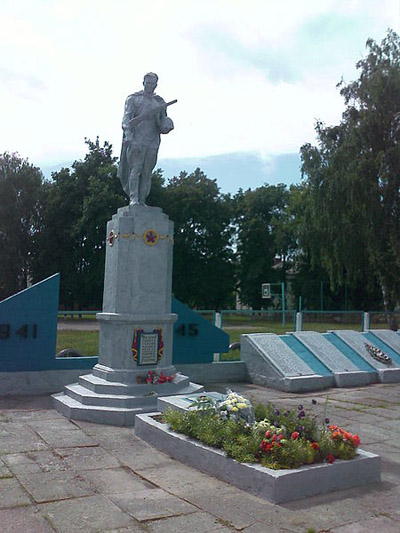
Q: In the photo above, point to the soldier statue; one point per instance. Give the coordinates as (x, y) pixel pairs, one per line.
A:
(145, 118)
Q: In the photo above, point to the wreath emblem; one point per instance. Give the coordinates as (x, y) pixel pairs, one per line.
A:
(151, 237)
(378, 354)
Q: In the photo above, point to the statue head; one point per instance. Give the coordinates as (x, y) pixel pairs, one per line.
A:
(150, 82)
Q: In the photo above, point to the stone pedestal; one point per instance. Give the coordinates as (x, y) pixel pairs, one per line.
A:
(136, 325)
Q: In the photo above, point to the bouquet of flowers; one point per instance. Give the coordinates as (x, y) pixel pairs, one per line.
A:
(235, 407)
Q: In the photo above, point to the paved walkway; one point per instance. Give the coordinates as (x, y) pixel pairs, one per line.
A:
(65, 476)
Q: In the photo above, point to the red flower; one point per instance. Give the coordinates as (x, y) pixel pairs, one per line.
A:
(274, 437)
(356, 440)
(268, 434)
(315, 445)
(295, 435)
(330, 458)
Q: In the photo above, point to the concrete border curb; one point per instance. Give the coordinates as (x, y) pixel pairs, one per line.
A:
(277, 486)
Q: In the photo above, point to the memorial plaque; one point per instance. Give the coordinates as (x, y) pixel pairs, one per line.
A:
(357, 341)
(389, 337)
(148, 349)
(280, 355)
(326, 352)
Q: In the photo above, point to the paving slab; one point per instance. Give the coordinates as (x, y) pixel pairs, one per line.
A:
(25, 441)
(230, 506)
(180, 479)
(53, 486)
(115, 481)
(195, 523)
(24, 519)
(66, 438)
(5, 472)
(12, 494)
(91, 514)
(377, 523)
(92, 458)
(34, 462)
(150, 504)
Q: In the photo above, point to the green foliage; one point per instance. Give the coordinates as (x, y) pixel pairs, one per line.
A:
(353, 177)
(291, 420)
(20, 192)
(261, 235)
(203, 275)
(76, 207)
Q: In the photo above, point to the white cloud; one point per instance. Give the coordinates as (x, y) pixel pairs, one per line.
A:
(249, 75)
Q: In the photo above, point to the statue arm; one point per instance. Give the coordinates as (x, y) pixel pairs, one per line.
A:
(164, 122)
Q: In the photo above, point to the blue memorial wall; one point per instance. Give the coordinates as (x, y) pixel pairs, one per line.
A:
(195, 338)
(28, 331)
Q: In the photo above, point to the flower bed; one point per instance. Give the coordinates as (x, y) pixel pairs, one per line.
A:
(275, 439)
(280, 457)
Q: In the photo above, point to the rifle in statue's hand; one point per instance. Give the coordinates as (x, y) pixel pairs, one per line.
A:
(153, 111)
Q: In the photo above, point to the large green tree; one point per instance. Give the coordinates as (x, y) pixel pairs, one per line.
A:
(353, 179)
(203, 274)
(261, 236)
(77, 204)
(20, 192)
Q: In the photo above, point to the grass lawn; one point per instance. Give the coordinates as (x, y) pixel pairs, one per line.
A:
(85, 342)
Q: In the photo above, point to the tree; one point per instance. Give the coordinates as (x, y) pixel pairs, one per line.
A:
(353, 179)
(203, 274)
(260, 237)
(77, 205)
(20, 188)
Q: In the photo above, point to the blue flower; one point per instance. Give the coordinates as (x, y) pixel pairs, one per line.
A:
(300, 407)
(327, 420)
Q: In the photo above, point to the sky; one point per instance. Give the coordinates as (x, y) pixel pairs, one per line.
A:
(251, 77)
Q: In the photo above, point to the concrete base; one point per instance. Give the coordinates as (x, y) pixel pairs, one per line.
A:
(277, 486)
(231, 371)
(355, 379)
(95, 399)
(37, 382)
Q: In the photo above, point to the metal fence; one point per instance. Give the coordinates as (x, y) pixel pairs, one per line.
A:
(261, 318)
(324, 320)
(279, 321)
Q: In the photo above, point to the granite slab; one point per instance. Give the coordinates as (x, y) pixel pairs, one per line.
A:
(387, 373)
(345, 372)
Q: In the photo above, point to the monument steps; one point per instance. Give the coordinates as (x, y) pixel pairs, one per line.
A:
(99, 414)
(103, 386)
(88, 397)
(79, 403)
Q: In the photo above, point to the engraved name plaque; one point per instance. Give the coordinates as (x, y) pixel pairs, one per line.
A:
(148, 349)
